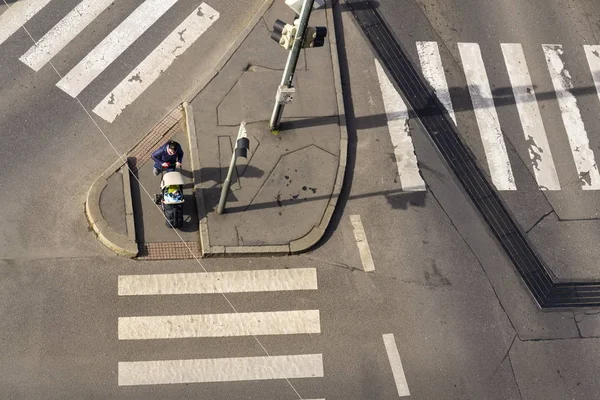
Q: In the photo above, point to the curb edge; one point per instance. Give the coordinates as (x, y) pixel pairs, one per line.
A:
(118, 243)
(190, 128)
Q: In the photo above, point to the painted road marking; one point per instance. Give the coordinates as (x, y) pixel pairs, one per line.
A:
(219, 325)
(219, 282)
(220, 369)
(583, 155)
(397, 121)
(531, 120)
(396, 364)
(592, 53)
(17, 15)
(361, 242)
(433, 71)
(63, 32)
(157, 62)
(112, 46)
(486, 116)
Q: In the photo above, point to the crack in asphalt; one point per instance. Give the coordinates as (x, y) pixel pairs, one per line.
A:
(539, 220)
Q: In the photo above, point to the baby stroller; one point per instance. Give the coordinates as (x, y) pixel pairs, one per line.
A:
(170, 197)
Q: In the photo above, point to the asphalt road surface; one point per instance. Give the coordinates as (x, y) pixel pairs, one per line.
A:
(407, 296)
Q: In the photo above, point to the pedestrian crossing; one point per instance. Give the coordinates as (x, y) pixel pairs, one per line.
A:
(229, 368)
(541, 160)
(110, 48)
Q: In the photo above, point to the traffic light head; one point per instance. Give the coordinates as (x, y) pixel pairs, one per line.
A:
(315, 36)
(283, 34)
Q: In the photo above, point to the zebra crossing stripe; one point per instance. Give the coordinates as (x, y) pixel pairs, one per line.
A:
(219, 325)
(583, 155)
(218, 282)
(112, 46)
(397, 121)
(157, 62)
(531, 120)
(433, 71)
(17, 15)
(63, 32)
(220, 369)
(486, 116)
(592, 53)
(363, 245)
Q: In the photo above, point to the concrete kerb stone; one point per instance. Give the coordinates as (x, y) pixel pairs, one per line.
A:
(276, 250)
(190, 95)
(190, 128)
(313, 237)
(130, 223)
(120, 244)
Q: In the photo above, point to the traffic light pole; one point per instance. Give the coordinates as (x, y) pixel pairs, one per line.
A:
(290, 65)
(225, 189)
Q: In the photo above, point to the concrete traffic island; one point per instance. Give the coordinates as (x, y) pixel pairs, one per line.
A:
(282, 195)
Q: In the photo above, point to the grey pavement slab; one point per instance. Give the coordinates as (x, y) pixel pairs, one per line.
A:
(281, 191)
(149, 218)
(556, 370)
(574, 253)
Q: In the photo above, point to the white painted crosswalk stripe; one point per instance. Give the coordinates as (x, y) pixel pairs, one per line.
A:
(219, 325)
(592, 53)
(433, 71)
(218, 282)
(398, 128)
(583, 155)
(220, 369)
(362, 243)
(17, 15)
(486, 116)
(63, 32)
(107, 51)
(157, 62)
(396, 364)
(531, 120)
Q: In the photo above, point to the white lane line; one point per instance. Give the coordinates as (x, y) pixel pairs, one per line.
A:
(531, 120)
(63, 32)
(112, 46)
(157, 62)
(219, 325)
(220, 369)
(397, 121)
(592, 53)
(433, 71)
(396, 364)
(486, 116)
(219, 282)
(17, 15)
(578, 138)
(361, 242)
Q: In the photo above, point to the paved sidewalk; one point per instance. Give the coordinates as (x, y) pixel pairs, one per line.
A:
(282, 196)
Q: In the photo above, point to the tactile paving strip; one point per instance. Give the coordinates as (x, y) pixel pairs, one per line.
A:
(168, 251)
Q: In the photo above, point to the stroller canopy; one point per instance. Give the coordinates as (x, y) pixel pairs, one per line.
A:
(171, 178)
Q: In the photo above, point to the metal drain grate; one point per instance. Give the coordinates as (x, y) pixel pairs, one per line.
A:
(547, 292)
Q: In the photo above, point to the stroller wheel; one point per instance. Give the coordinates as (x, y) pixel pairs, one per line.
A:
(157, 198)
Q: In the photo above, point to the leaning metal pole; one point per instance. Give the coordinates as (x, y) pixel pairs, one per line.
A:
(290, 65)
(227, 183)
